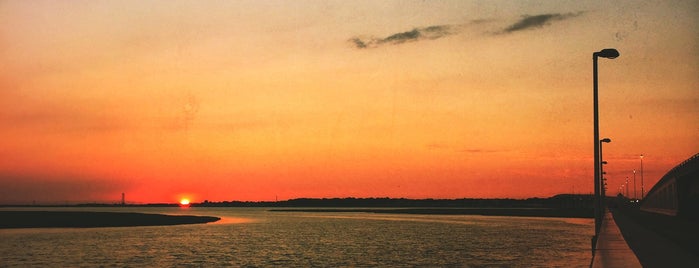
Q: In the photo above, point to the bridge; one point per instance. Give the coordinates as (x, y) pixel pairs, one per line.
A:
(676, 193)
(661, 232)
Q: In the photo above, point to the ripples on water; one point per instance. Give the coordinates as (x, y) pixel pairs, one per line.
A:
(255, 237)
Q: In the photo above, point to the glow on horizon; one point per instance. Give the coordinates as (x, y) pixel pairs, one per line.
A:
(258, 100)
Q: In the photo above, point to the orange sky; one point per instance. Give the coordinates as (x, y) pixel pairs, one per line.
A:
(257, 100)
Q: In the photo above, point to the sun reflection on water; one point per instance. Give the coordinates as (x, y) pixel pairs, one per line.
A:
(233, 220)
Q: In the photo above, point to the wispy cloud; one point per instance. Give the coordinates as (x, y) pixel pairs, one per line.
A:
(538, 21)
(478, 151)
(442, 146)
(425, 33)
(438, 146)
(526, 22)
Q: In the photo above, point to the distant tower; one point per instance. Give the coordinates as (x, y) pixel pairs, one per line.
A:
(123, 199)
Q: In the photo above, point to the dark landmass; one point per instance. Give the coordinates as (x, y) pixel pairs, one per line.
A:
(564, 205)
(558, 201)
(523, 212)
(79, 219)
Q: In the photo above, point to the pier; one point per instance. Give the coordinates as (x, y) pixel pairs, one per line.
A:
(611, 249)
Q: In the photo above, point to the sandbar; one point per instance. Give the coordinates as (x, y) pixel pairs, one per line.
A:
(83, 219)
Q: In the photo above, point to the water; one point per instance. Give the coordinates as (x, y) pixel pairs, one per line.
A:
(258, 238)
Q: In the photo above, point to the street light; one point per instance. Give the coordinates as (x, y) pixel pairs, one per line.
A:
(601, 168)
(608, 53)
(603, 191)
(642, 191)
(634, 185)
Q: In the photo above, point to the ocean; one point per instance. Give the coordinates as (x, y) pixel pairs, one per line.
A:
(256, 237)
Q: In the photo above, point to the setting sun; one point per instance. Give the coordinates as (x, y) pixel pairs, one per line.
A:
(184, 202)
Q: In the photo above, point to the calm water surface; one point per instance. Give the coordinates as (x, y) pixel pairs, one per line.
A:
(258, 238)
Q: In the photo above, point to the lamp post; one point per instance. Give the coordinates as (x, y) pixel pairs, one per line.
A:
(608, 53)
(642, 190)
(634, 184)
(627, 187)
(603, 184)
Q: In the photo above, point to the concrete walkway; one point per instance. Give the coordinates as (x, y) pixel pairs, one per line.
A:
(612, 250)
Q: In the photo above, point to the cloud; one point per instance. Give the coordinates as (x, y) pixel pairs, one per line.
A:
(538, 21)
(402, 37)
(478, 151)
(359, 43)
(426, 33)
(439, 31)
(437, 146)
(441, 146)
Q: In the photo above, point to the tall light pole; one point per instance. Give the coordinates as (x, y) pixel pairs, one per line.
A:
(634, 185)
(603, 184)
(608, 53)
(601, 168)
(642, 190)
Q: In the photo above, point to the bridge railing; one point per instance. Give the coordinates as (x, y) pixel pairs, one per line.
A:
(665, 197)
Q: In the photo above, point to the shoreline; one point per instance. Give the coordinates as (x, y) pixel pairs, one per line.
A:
(81, 219)
(516, 212)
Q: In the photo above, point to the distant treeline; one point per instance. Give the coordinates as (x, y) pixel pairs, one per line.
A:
(558, 201)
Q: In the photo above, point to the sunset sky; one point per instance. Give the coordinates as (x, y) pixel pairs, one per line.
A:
(257, 100)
